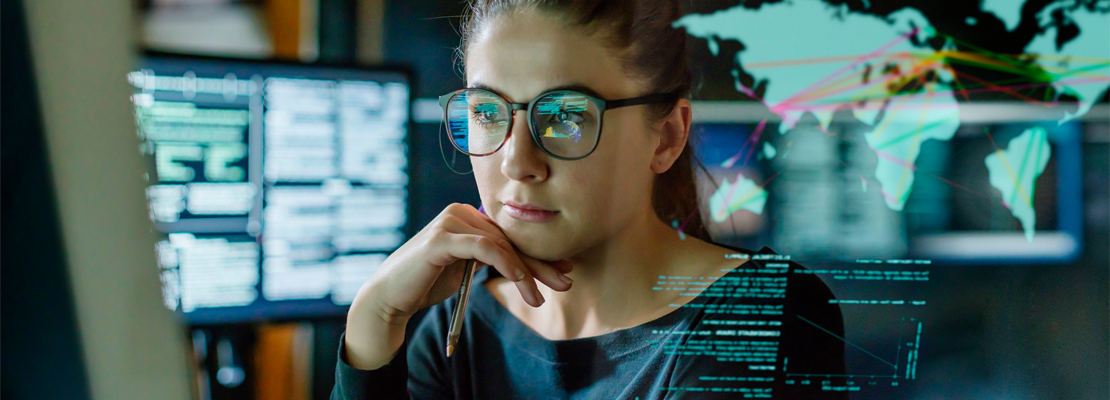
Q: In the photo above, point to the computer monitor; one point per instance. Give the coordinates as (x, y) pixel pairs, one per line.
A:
(278, 188)
(823, 202)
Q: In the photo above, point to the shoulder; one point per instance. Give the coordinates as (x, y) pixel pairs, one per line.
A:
(809, 289)
(803, 285)
(811, 309)
(807, 303)
(805, 293)
(815, 325)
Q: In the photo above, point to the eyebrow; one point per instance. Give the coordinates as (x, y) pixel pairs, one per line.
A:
(577, 87)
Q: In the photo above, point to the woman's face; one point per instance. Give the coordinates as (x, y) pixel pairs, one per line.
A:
(583, 202)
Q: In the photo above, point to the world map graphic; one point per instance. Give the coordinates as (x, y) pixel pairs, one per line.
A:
(895, 73)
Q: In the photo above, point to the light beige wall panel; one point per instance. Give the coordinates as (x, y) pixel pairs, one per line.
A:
(82, 52)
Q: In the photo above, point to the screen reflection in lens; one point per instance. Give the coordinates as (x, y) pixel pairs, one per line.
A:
(566, 123)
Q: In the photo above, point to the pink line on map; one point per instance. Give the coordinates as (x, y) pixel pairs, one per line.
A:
(894, 159)
(848, 67)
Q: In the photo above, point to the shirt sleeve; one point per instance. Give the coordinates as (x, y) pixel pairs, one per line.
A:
(387, 382)
(419, 370)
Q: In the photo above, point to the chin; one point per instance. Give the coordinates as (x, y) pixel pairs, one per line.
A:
(539, 241)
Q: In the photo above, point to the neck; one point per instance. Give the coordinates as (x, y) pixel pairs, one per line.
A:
(613, 281)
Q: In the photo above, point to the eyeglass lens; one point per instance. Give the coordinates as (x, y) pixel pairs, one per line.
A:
(566, 123)
(478, 121)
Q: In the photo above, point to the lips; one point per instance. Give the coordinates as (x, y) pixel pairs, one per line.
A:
(528, 212)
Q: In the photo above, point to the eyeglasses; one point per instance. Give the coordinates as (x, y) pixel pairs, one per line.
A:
(565, 124)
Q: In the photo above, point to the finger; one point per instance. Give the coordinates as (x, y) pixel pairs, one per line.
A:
(465, 225)
(551, 274)
(455, 225)
(564, 266)
(446, 284)
(486, 250)
(478, 221)
(547, 274)
(472, 217)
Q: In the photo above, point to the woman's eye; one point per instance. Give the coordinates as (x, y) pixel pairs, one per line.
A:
(576, 117)
(484, 113)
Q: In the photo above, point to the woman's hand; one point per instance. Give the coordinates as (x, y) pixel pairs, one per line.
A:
(427, 270)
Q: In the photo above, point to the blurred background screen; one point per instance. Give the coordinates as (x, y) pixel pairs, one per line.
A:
(823, 204)
(279, 188)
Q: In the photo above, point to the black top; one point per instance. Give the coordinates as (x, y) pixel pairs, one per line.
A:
(742, 336)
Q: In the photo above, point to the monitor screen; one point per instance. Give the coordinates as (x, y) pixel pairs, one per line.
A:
(278, 188)
(818, 197)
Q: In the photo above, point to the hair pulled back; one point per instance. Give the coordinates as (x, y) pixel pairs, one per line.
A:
(650, 49)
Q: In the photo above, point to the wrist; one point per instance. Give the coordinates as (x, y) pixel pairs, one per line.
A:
(390, 316)
(371, 303)
(374, 333)
(367, 359)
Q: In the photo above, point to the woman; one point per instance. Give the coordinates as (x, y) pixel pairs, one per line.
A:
(573, 231)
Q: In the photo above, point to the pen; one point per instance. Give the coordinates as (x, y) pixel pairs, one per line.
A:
(460, 307)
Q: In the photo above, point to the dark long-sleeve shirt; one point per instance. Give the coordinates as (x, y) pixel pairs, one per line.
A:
(740, 337)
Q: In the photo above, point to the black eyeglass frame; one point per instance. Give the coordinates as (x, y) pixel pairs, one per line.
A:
(602, 106)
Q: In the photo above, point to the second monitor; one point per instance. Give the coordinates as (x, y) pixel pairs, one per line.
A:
(280, 188)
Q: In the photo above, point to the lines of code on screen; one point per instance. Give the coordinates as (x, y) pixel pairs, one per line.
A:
(275, 185)
(760, 327)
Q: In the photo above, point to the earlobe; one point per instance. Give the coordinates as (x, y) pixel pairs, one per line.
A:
(661, 166)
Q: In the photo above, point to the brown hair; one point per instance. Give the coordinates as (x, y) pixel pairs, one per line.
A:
(651, 50)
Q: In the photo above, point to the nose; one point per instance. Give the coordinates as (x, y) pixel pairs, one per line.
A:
(521, 159)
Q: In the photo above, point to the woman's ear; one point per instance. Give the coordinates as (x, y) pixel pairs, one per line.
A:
(674, 131)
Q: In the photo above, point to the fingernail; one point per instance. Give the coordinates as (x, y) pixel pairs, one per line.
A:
(565, 279)
(539, 297)
(518, 274)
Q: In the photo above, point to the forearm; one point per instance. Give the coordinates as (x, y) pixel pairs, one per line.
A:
(373, 334)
